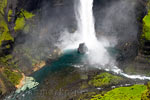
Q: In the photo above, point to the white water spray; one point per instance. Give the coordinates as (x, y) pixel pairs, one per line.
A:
(86, 22)
(86, 34)
(86, 28)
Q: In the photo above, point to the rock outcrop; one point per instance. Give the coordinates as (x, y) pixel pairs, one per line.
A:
(82, 49)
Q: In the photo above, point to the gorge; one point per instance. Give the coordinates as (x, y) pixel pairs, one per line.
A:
(113, 67)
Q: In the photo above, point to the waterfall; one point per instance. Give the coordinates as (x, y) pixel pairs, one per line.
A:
(86, 30)
(85, 33)
(86, 22)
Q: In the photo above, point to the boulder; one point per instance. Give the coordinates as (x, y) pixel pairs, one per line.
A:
(82, 49)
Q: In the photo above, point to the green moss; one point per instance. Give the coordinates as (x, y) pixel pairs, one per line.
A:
(3, 4)
(86, 96)
(67, 80)
(105, 79)
(5, 59)
(122, 93)
(146, 24)
(20, 22)
(26, 29)
(9, 15)
(84, 85)
(13, 77)
(7, 46)
(8, 60)
(147, 19)
(4, 32)
(5, 36)
(27, 14)
(146, 94)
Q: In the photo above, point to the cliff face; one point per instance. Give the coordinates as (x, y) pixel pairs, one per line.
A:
(145, 36)
(12, 20)
(19, 50)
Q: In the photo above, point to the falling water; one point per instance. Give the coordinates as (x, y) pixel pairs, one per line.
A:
(86, 30)
(86, 22)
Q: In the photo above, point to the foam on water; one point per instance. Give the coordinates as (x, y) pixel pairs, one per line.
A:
(28, 83)
(116, 70)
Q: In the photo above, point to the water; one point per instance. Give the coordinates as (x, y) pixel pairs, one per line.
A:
(84, 15)
(67, 60)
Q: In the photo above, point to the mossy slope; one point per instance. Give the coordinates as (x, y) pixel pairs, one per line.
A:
(21, 20)
(146, 94)
(105, 79)
(123, 93)
(4, 31)
(146, 24)
(13, 76)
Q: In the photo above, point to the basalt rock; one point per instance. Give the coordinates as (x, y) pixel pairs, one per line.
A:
(82, 49)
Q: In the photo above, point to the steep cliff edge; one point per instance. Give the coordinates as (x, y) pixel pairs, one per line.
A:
(18, 59)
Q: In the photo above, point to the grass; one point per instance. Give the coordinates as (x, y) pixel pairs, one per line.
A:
(123, 93)
(105, 79)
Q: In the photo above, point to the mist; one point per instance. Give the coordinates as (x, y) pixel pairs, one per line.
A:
(56, 25)
(117, 20)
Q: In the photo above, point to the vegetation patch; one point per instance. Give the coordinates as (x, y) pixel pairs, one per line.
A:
(105, 79)
(8, 60)
(123, 93)
(4, 32)
(146, 26)
(20, 22)
(9, 14)
(87, 96)
(13, 76)
(3, 4)
(146, 94)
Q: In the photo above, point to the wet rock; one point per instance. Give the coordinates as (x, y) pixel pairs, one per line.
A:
(82, 49)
